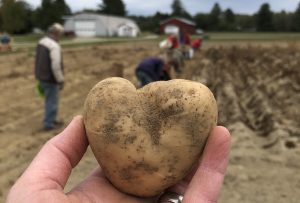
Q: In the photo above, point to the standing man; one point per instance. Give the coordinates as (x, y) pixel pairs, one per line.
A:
(185, 43)
(174, 52)
(49, 72)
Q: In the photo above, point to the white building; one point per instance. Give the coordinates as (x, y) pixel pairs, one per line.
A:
(95, 25)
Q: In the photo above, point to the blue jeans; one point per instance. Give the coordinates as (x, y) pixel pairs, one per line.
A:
(51, 91)
(144, 78)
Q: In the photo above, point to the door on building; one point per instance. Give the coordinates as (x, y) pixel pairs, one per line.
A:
(85, 28)
(171, 29)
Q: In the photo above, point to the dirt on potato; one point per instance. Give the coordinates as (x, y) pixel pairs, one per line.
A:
(257, 89)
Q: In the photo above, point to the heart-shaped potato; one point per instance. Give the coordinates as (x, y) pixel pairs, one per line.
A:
(148, 139)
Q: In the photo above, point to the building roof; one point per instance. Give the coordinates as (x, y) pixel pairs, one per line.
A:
(109, 20)
(184, 20)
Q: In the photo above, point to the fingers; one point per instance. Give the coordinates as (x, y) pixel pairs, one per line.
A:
(97, 188)
(54, 162)
(206, 184)
(181, 187)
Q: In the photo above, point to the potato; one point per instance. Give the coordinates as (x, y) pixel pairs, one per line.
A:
(147, 140)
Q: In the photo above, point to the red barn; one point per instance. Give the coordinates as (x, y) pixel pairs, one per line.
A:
(174, 25)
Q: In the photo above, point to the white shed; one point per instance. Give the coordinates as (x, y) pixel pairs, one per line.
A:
(127, 30)
(95, 25)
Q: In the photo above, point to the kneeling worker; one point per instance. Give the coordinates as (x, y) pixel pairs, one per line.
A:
(154, 69)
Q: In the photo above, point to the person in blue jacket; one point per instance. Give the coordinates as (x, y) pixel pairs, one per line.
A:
(153, 69)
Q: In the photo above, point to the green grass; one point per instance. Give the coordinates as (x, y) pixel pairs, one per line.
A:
(228, 36)
(27, 38)
(106, 41)
(28, 42)
(31, 38)
(213, 36)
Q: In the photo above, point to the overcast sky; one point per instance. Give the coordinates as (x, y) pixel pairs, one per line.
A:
(142, 7)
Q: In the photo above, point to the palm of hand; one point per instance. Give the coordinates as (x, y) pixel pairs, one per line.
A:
(45, 178)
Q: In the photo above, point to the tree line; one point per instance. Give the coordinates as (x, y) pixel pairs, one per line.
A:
(18, 17)
(264, 20)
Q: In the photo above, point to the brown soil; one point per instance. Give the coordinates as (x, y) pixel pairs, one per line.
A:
(257, 89)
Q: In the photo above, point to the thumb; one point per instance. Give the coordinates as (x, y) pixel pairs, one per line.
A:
(206, 184)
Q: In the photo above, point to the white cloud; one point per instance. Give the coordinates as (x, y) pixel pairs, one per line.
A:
(74, 4)
(147, 7)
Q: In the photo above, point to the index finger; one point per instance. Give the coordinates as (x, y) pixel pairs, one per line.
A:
(54, 163)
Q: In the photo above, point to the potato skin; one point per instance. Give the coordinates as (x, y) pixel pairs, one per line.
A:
(149, 139)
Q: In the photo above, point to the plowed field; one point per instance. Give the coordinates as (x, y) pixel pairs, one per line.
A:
(257, 89)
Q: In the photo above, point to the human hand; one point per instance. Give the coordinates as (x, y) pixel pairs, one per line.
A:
(61, 85)
(45, 178)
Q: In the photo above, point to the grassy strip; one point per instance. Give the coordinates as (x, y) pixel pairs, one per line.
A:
(67, 44)
(29, 41)
(223, 36)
